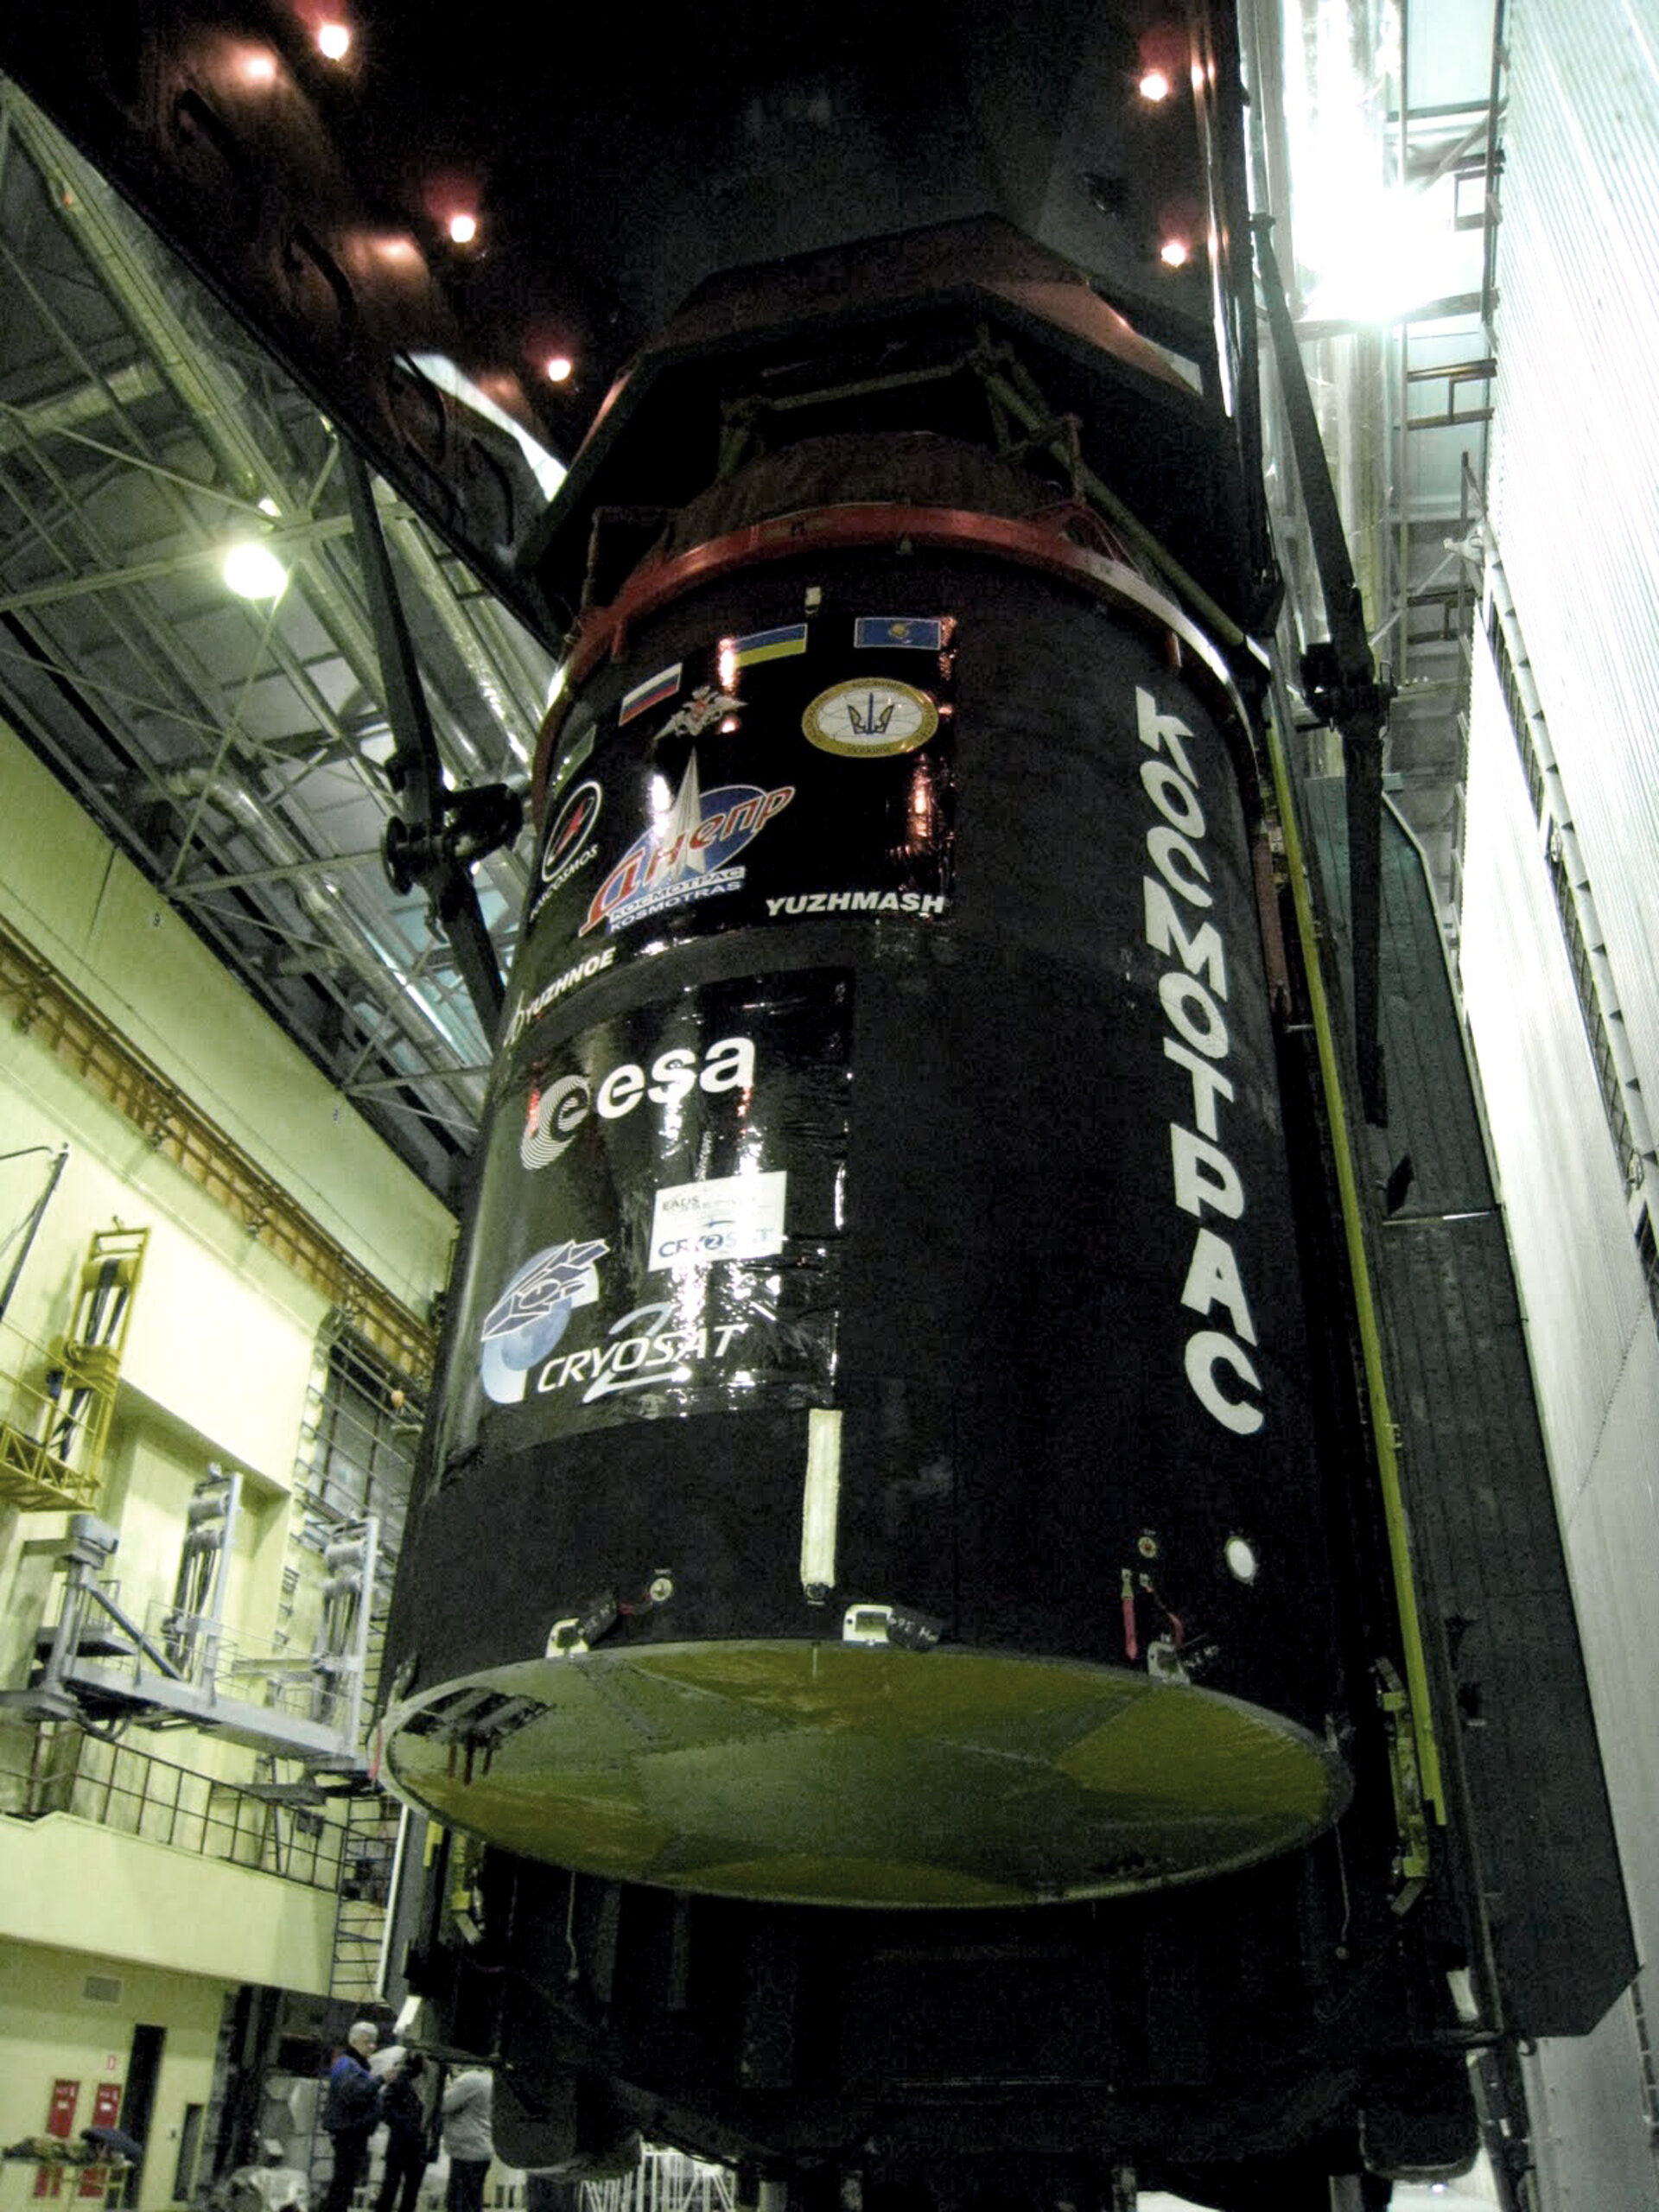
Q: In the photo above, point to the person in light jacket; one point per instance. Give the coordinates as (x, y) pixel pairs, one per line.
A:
(467, 2139)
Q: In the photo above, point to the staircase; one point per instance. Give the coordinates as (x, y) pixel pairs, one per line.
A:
(368, 1857)
(372, 1828)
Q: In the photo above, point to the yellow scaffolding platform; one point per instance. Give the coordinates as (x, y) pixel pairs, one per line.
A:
(51, 1444)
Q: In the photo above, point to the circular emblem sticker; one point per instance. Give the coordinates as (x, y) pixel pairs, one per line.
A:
(570, 832)
(869, 718)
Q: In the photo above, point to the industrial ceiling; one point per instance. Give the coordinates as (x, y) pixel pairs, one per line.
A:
(170, 382)
(231, 745)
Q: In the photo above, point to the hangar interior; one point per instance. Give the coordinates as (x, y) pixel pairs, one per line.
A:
(245, 1073)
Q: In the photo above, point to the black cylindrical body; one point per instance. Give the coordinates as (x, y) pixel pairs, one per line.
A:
(873, 1460)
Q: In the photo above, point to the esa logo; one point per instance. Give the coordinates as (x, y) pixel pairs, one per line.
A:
(557, 1113)
(532, 1313)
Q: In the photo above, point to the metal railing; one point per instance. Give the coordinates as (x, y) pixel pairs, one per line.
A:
(117, 1786)
(665, 2181)
(46, 1428)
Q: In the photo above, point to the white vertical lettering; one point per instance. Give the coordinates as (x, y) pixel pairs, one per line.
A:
(1208, 1084)
(1206, 1031)
(1207, 1351)
(1165, 847)
(1205, 1179)
(1173, 797)
(1162, 733)
(1212, 1280)
(1164, 933)
(1205, 1176)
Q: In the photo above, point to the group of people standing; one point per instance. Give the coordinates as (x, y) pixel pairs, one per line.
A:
(368, 2088)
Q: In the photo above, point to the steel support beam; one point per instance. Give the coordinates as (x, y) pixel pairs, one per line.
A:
(434, 846)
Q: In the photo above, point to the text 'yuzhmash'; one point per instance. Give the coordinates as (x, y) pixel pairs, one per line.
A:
(1193, 992)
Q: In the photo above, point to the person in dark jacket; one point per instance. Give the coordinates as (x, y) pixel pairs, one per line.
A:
(351, 2111)
(406, 2132)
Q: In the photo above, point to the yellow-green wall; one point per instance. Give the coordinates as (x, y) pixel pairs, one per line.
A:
(85, 908)
(223, 1340)
(221, 1364)
(217, 1366)
(72, 1883)
(222, 1331)
(51, 2030)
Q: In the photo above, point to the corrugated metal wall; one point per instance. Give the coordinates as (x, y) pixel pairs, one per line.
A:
(1574, 498)
(1575, 485)
(1595, 1359)
(1563, 1189)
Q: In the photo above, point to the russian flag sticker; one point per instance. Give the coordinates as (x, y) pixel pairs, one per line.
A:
(650, 693)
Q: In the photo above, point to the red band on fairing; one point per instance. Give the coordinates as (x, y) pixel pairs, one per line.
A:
(603, 630)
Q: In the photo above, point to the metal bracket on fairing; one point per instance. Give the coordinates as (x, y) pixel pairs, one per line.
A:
(896, 1625)
(1411, 1816)
(577, 1633)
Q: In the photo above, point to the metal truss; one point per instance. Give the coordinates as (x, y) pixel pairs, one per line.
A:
(235, 750)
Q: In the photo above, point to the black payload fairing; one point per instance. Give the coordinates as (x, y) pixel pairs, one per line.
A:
(909, 1579)
(880, 1356)
(893, 1539)
(944, 1674)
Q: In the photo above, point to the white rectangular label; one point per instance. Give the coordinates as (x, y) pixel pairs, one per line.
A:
(728, 1217)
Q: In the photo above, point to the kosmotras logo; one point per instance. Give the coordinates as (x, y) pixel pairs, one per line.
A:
(557, 1114)
(571, 829)
(569, 848)
(531, 1316)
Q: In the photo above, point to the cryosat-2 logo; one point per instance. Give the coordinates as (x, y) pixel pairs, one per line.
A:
(527, 1322)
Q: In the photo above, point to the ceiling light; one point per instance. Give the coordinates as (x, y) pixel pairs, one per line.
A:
(559, 368)
(1154, 85)
(1173, 253)
(335, 41)
(463, 228)
(268, 506)
(252, 571)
